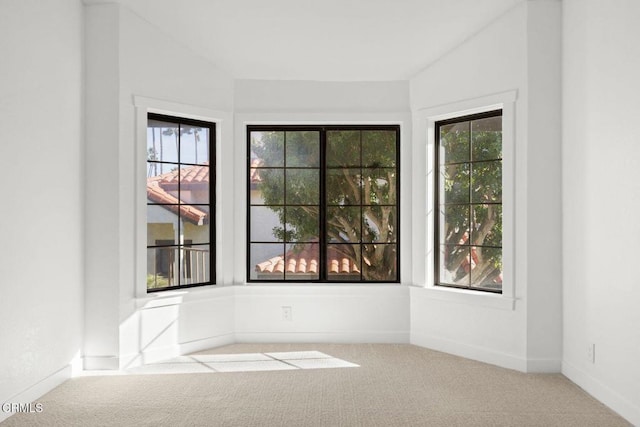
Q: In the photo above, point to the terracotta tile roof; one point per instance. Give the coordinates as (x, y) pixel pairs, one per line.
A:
(188, 178)
(305, 261)
(158, 188)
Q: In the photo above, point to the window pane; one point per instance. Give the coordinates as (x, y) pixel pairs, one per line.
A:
(379, 262)
(255, 175)
(343, 224)
(379, 224)
(378, 148)
(303, 149)
(268, 187)
(487, 138)
(194, 264)
(268, 147)
(206, 209)
(486, 181)
(455, 265)
(301, 262)
(487, 268)
(162, 223)
(162, 141)
(454, 224)
(267, 261)
(161, 267)
(194, 184)
(302, 224)
(302, 187)
(343, 186)
(194, 144)
(266, 225)
(192, 231)
(343, 148)
(155, 169)
(343, 262)
(379, 186)
(454, 143)
(487, 225)
(454, 183)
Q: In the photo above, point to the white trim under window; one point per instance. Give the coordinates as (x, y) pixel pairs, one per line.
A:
(424, 121)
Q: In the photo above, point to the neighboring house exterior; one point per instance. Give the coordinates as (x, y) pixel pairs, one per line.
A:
(176, 214)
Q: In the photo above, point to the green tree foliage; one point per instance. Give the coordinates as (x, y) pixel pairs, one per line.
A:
(360, 192)
(157, 281)
(470, 203)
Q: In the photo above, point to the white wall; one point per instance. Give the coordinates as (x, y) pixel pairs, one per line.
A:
(543, 185)
(41, 221)
(601, 191)
(101, 184)
(131, 67)
(272, 96)
(517, 52)
(357, 313)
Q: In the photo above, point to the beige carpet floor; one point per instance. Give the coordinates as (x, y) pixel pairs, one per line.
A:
(393, 385)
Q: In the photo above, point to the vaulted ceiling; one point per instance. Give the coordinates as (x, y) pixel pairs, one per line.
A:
(327, 40)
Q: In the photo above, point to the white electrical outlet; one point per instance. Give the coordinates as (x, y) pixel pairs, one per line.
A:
(591, 353)
(287, 314)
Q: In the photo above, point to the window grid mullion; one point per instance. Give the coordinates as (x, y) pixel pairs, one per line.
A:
(284, 208)
(361, 242)
(180, 225)
(322, 210)
(470, 220)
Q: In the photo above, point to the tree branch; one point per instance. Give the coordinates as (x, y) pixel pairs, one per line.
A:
(353, 186)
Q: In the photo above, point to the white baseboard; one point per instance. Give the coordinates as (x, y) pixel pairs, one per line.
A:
(544, 366)
(168, 352)
(470, 352)
(206, 343)
(602, 392)
(101, 363)
(39, 389)
(156, 354)
(323, 337)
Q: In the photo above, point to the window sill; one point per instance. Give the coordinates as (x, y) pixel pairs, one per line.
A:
(179, 296)
(464, 296)
(321, 284)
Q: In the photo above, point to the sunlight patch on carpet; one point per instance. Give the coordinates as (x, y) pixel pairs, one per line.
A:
(243, 362)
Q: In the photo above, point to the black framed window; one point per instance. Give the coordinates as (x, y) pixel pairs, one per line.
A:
(468, 194)
(323, 203)
(180, 202)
